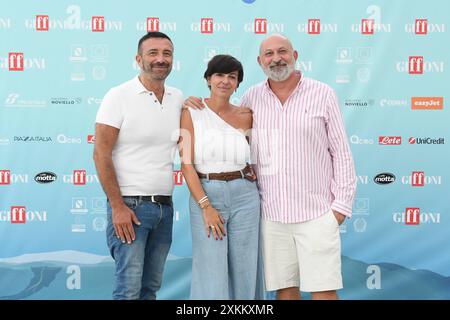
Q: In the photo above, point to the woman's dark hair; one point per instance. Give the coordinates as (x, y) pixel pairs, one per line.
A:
(224, 63)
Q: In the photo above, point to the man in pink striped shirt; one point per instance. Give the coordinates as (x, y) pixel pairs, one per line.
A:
(305, 172)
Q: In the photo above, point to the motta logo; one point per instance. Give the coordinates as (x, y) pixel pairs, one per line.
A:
(389, 140)
(18, 214)
(91, 138)
(384, 178)
(427, 103)
(15, 61)
(260, 25)
(98, 23)
(415, 65)
(45, 177)
(313, 26)
(206, 25)
(5, 177)
(152, 24)
(42, 22)
(421, 26)
(367, 26)
(178, 177)
(79, 177)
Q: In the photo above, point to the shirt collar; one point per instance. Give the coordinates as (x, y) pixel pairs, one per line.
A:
(267, 86)
(139, 88)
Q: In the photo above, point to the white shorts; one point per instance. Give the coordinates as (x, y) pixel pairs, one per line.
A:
(305, 255)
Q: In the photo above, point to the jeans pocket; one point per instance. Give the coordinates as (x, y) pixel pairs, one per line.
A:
(130, 202)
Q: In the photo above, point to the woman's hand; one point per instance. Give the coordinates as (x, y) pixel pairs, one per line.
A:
(213, 223)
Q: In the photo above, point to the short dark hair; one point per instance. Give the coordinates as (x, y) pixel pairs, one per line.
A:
(224, 63)
(155, 34)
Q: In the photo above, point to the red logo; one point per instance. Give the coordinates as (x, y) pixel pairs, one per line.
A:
(390, 140)
(416, 65)
(90, 138)
(98, 24)
(412, 140)
(412, 216)
(152, 24)
(367, 26)
(260, 25)
(18, 214)
(421, 26)
(41, 22)
(15, 60)
(314, 26)
(177, 177)
(5, 177)
(418, 179)
(79, 177)
(206, 25)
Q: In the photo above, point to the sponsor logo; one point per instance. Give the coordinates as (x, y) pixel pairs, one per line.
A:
(152, 24)
(45, 177)
(20, 215)
(91, 138)
(79, 206)
(423, 27)
(41, 22)
(260, 25)
(354, 139)
(413, 216)
(178, 177)
(15, 61)
(361, 206)
(5, 177)
(79, 177)
(393, 103)
(4, 141)
(316, 26)
(427, 103)
(98, 24)
(419, 179)
(389, 140)
(413, 140)
(207, 25)
(5, 23)
(61, 138)
(384, 178)
(313, 26)
(359, 102)
(367, 26)
(32, 139)
(360, 225)
(94, 100)
(415, 65)
(65, 101)
(14, 100)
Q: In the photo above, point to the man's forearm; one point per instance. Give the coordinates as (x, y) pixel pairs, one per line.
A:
(107, 175)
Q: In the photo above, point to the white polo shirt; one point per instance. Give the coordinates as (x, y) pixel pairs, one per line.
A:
(144, 152)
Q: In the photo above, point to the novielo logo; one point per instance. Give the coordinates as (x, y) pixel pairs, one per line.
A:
(384, 178)
(389, 140)
(45, 177)
(178, 177)
(427, 103)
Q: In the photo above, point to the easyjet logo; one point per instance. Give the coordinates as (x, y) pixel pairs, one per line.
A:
(427, 103)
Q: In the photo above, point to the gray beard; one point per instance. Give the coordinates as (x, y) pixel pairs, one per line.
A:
(279, 75)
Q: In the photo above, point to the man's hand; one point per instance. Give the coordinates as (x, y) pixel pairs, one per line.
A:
(122, 218)
(194, 103)
(339, 217)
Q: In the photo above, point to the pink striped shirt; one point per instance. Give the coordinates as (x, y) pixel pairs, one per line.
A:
(300, 151)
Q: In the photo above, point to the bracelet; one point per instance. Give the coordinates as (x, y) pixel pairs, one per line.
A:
(202, 199)
(204, 204)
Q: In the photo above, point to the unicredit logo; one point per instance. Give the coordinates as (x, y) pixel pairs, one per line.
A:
(384, 178)
(413, 140)
(390, 140)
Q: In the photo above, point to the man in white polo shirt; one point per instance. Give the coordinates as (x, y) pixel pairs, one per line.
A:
(137, 129)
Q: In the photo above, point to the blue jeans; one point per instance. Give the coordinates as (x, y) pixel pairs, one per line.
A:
(228, 268)
(140, 265)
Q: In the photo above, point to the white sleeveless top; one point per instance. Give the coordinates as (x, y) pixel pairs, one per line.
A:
(219, 147)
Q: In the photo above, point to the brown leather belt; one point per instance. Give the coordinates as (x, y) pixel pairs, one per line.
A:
(227, 176)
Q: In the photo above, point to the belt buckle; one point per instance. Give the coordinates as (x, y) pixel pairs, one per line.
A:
(152, 199)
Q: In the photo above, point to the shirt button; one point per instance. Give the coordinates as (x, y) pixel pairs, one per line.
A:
(151, 93)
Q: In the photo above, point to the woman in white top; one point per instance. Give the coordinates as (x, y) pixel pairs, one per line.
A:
(224, 202)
